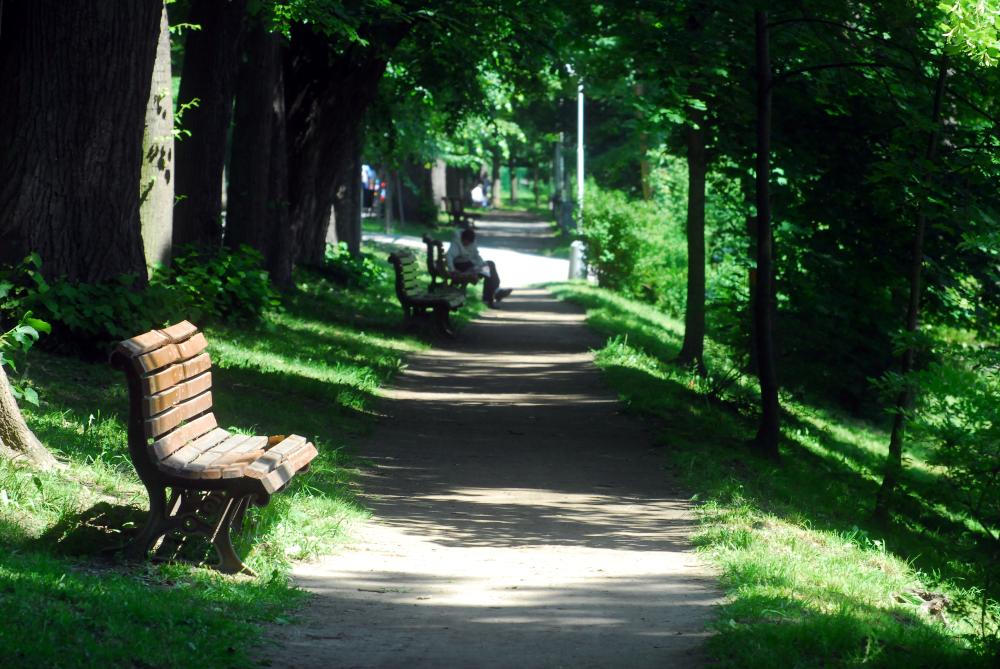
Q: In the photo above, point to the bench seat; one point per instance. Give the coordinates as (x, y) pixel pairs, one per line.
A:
(416, 300)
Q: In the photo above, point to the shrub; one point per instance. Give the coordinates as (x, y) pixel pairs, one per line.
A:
(349, 270)
(634, 248)
(203, 287)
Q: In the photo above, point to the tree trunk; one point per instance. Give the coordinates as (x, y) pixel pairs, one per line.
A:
(693, 348)
(399, 197)
(512, 169)
(347, 202)
(495, 199)
(257, 204)
(327, 92)
(537, 186)
(17, 441)
(74, 85)
(389, 199)
(904, 401)
(211, 63)
(156, 196)
(766, 441)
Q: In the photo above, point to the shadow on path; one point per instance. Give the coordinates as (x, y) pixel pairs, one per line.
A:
(520, 519)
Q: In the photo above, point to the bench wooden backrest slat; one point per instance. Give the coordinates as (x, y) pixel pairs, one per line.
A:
(162, 423)
(162, 401)
(176, 373)
(172, 353)
(164, 446)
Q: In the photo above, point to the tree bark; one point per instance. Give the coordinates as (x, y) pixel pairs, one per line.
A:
(347, 201)
(208, 75)
(327, 93)
(536, 186)
(693, 348)
(257, 208)
(389, 199)
(766, 441)
(512, 169)
(156, 196)
(904, 401)
(495, 199)
(74, 85)
(17, 441)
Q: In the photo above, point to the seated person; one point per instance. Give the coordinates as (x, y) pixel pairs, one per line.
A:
(465, 263)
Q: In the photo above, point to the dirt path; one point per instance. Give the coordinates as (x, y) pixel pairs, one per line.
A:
(520, 520)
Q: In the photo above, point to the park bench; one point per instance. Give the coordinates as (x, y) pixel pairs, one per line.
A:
(437, 267)
(175, 442)
(455, 208)
(416, 300)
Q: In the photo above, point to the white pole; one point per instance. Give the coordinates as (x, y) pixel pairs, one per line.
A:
(579, 146)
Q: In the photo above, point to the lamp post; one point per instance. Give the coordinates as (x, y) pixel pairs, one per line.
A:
(579, 145)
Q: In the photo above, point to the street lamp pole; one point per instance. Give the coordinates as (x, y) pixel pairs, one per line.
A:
(579, 145)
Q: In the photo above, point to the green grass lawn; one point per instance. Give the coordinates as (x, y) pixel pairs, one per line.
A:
(312, 368)
(810, 581)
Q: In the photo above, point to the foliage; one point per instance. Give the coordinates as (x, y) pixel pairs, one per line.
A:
(221, 285)
(634, 248)
(346, 269)
(313, 368)
(809, 580)
(202, 287)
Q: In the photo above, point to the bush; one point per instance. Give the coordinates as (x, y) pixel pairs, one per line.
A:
(635, 249)
(349, 270)
(202, 287)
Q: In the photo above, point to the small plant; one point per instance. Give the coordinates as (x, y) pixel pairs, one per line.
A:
(349, 270)
(20, 335)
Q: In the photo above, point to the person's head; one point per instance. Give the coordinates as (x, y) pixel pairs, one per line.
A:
(468, 236)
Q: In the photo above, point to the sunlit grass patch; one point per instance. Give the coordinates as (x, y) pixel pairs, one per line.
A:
(810, 581)
(312, 368)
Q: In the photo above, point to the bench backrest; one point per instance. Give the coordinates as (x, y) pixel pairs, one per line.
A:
(407, 273)
(170, 391)
(437, 266)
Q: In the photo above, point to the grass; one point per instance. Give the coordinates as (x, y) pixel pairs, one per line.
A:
(810, 582)
(313, 368)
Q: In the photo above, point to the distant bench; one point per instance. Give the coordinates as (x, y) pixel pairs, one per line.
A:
(437, 268)
(175, 442)
(417, 300)
(455, 208)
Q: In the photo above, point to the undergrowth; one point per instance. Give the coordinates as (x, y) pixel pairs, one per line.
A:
(810, 582)
(312, 368)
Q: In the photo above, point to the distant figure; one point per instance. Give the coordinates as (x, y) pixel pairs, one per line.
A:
(464, 261)
(479, 195)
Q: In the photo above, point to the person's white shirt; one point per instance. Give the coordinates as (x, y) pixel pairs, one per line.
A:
(457, 251)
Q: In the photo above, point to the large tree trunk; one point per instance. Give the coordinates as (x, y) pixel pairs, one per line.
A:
(208, 75)
(156, 196)
(904, 401)
(74, 84)
(17, 441)
(693, 348)
(327, 93)
(257, 203)
(347, 202)
(512, 169)
(766, 441)
(495, 198)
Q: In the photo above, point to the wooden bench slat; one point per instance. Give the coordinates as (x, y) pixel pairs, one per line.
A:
(174, 352)
(162, 401)
(174, 416)
(164, 446)
(199, 467)
(145, 343)
(185, 454)
(179, 331)
(175, 374)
